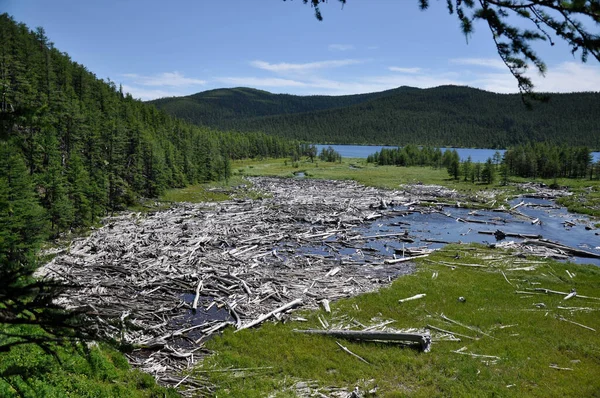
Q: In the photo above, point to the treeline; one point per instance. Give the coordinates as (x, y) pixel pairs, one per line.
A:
(82, 147)
(550, 161)
(330, 155)
(445, 116)
(534, 160)
(412, 155)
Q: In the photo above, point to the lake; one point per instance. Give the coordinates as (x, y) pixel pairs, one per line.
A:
(476, 154)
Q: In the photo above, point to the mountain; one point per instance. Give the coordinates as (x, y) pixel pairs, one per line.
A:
(440, 116)
(213, 107)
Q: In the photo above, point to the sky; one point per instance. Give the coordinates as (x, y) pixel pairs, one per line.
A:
(180, 47)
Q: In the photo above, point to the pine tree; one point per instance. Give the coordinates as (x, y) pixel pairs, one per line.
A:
(22, 219)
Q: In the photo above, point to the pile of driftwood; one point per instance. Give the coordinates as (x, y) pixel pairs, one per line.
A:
(165, 282)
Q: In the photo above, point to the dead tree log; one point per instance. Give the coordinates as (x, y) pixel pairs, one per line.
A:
(558, 246)
(424, 339)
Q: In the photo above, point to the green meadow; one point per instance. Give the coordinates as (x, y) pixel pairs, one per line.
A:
(515, 344)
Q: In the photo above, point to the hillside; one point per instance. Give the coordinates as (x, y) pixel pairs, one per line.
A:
(86, 148)
(440, 116)
(221, 107)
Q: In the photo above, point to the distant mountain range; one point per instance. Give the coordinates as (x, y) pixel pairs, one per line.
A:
(440, 116)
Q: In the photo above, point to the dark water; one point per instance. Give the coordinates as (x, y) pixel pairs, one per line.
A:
(442, 227)
(477, 155)
(445, 227)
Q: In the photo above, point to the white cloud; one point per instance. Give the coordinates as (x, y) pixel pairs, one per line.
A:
(341, 47)
(569, 77)
(150, 94)
(404, 70)
(305, 67)
(260, 82)
(561, 78)
(170, 79)
(494, 63)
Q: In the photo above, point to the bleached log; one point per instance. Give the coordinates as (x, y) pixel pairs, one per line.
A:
(576, 323)
(452, 333)
(325, 304)
(463, 351)
(444, 317)
(263, 318)
(558, 246)
(197, 296)
(550, 291)
(404, 259)
(415, 297)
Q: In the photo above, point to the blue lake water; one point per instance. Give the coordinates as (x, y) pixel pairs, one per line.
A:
(477, 155)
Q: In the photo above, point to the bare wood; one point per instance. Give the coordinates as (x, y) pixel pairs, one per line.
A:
(463, 351)
(325, 304)
(576, 323)
(452, 333)
(424, 339)
(558, 368)
(567, 249)
(263, 318)
(404, 259)
(547, 291)
(505, 278)
(351, 353)
(444, 317)
(415, 297)
(197, 297)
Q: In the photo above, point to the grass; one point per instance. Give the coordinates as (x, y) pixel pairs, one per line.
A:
(585, 200)
(279, 357)
(235, 187)
(74, 370)
(527, 339)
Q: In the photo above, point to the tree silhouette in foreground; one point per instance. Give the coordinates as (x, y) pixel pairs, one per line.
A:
(24, 300)
(548, 20)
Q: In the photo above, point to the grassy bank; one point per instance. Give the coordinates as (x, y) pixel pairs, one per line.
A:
(524, 331)
(586, 198)
(73, 370)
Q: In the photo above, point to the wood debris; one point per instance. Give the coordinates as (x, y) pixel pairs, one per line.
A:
(164, 282)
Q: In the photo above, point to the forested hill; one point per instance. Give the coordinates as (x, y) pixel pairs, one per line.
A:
(222, 107)
(440, 116)
(79, 147)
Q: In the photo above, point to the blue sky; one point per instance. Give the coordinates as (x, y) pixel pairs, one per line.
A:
(165, 48)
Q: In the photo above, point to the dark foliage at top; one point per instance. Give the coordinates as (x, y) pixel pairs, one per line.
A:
(516, 24)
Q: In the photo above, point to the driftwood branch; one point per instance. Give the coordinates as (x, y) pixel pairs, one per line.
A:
(263, 318)
(345, 349)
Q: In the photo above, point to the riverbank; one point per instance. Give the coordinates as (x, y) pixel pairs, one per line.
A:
(578, 195)
(494, 330)
(282, 243)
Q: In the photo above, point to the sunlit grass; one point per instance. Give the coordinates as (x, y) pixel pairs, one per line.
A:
(74, 370)
(528, 339)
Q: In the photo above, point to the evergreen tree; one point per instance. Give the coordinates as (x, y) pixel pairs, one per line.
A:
(488, 174)
(22, 220)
